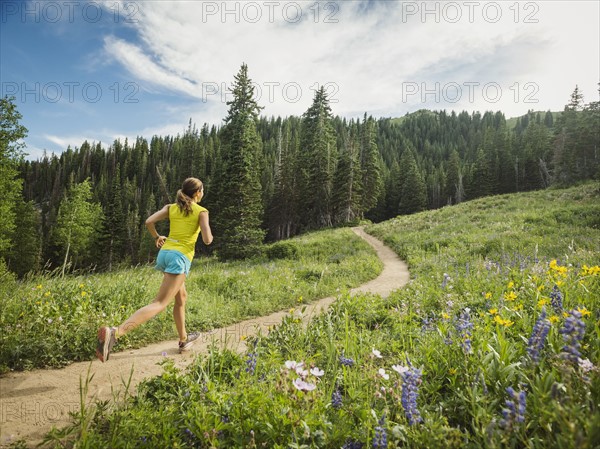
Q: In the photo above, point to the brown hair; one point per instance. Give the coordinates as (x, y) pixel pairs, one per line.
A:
(189, 188)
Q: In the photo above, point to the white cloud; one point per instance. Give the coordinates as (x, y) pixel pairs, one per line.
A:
(371, 56)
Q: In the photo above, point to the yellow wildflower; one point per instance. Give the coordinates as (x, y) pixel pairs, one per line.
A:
(554, 319)
(541, 287)
(243, 337)
(565, 314)
(517, 307)
(510, 296)
(300, 299)
(81, 285)
(47, 294)
(542, 302)
(493, 311)
(291, 310)
(445, 316)
(83, 294)
(39, 286)
(511, 284)
(452, 371)
(590, 271)
(488, 295)
(502, 321)
(584, 311)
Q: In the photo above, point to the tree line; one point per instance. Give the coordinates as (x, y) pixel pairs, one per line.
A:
(268, 179)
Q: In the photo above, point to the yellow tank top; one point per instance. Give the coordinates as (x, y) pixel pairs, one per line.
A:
(184, 230)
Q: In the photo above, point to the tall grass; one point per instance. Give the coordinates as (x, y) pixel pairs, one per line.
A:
(50, 321)
(457, 359)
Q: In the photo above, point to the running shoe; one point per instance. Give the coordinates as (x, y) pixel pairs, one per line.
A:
(191, 338)
(106, 341)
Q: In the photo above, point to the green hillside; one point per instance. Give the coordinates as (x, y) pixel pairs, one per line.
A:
(493, 344)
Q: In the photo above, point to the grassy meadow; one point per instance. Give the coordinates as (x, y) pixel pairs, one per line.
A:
(495, 343)
(50, 321)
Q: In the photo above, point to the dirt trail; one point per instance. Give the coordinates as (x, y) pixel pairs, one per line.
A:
(32, 402)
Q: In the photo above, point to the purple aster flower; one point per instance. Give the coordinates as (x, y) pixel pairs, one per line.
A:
(351, 444)
(346, 361)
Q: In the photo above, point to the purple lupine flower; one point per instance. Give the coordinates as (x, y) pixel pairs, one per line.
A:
(410, 390)
(251, 363)
(352, 444)
(538, 337)
(336, 399)
(464, 327)
(514, 413)
(556, 299)
(346, 361)
(572, 332)
(380, 439)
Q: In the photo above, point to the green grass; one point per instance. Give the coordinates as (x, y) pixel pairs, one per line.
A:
(483, 273)
(49, 321)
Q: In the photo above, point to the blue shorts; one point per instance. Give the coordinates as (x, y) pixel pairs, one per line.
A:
(173, 262)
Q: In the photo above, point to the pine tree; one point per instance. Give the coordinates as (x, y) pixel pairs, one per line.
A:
(452, 176)
(413, 197)
(347, 187)
(372, 182)
(26, 252)
(114, 225)
(316, 163)
(240, 209)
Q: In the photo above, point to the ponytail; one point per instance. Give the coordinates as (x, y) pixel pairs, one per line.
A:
(184, 195)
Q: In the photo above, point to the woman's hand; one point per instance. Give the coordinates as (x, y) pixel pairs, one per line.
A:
(160, 241)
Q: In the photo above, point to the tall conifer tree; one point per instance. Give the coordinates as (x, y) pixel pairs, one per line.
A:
(239, 203)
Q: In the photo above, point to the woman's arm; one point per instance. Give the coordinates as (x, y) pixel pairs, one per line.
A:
(207, 236)
(153, 219)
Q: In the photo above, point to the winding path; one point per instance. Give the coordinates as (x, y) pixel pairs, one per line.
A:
(32, 402)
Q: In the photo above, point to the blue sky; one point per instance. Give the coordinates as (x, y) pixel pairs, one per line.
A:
(108, 70)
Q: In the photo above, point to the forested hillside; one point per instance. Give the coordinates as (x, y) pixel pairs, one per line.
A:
(307, 172)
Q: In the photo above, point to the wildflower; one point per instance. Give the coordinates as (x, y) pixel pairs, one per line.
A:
(572, 332)
(292, 364)
(376, 353)
(515, 409)
(164, 353)
(410, 391)
(445, 280)
(336, 399)
(49, 320)
(542, 302)
(511, 284)
(400, 369)
(81, 285)
(303, 386)
(557, 269)
(380, 439)
(39, 286)
(584, 311)
(554, 319)
(501, 321)
(351, 444)
(493, 311)
(452, 371)
(383, 374)
(302, 372)
(317, 372)
(47, 294)
(488, 295)
(251, 362)
(83, 294)
(517, 307)
(590, 271)
(346, 361)
(585, 365)
(300, 299)
(510, 296)
(445, 316)
(538, 337)
(464, 326)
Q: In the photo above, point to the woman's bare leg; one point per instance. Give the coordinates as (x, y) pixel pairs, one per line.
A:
(170, 286)
(179, 312)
